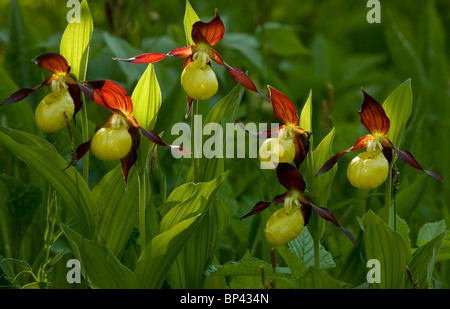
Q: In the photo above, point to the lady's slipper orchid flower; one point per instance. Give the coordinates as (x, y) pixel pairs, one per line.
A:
(287, 223)
(198, 79)
(118, 138)
(287, 143)
(64, 98)
(371, 168)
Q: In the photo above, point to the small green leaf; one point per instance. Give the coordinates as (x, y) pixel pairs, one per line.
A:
(190, 18)
(423, 260)
(315, 278)
(388, 247)
(75, 42)
(429, 231)
(303, 247)
(146, 99)
(398, 108)
(306, 114)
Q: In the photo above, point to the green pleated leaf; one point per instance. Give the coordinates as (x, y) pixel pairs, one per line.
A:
(146, 99)
(75, 42)
(320, 187)
(398, 108)
(190, 17)
(423, 260)
(180, 221)
(117, 209)
(98, 264)
(316, 278)
(306, 114)
(294, 262)
(429, 231)
(211, 165)
(388, 247)
(161, 252)
(43, 157)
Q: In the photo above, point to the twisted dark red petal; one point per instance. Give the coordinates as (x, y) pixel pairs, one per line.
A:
(373, 116)
(238, 75)
(21, 94)
(155, 57)
(360, 143)
(211, 32)
(130, 159)
(53, 62)
(154, 137)
(327, 215)
(408, 158)
(260, 206)
(290, 178)
(283, 108)
(301, 149)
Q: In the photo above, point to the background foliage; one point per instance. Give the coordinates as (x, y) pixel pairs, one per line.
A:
(326, 47)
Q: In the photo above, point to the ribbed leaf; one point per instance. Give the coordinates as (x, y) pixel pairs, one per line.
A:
(389, 248)
(146, 99)
(398, 109)
(423, 260)
(316, 278)
(306, 114)
(117, 209)
(75, 42)
(190, 17)
(42, 156)
(99, 265)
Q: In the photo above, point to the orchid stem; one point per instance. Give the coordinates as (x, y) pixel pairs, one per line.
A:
(195, 161)
(387, 198)
(142, 204)
(85, 134)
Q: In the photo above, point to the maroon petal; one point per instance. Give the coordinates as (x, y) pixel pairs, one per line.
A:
(154, 137)
(144, 58)
(238, 75)
(75, 93)
(53, 62)
(109, 94)
(408, 158)
(373, 116)
(290, 178)
(283, 108)
(264, 134)
(360, 143)
(260, 206)
(211, 32)
(129, 160)
(327, 215)
(301, 149)
(21, 94)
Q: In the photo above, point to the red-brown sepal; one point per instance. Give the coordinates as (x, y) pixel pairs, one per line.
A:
(260, 206)
(53, 62)
(211, 32)
(373, 116)
(283, 108)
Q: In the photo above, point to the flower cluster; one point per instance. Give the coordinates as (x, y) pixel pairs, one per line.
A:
(285, 145)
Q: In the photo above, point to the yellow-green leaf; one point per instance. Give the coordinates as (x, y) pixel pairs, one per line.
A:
(190, 18)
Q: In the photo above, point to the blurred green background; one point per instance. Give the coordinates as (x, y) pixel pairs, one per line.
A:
(324, 46)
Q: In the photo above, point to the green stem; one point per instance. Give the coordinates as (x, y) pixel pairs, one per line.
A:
(387, 197)
(85, 135)
(195, 161)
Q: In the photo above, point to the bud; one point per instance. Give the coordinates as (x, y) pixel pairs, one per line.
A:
(49, 114)
(199, 82)
(111, 143)
(368, 170)
(276, 150)
(284, 225)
